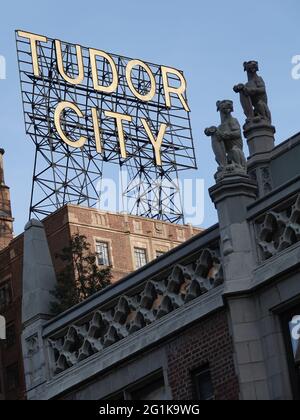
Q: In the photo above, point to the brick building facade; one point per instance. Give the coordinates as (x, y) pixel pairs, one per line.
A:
(11, 361)
(204, 348)
(123, 242)
(11, 267)
(217, 317)
(127, 242)
(172, 369)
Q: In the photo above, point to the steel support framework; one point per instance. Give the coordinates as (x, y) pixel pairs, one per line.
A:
(65, 175)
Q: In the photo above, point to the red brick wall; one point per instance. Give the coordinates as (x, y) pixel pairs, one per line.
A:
(11, 266)
(58, 235)
(207, 343)
(117, 230)
(60, 226)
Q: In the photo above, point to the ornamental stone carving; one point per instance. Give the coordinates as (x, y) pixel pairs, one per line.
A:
(279, 229)
(253, 95)
(227, 142)
(155, 300)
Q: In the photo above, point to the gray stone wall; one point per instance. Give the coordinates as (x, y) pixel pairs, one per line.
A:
(248, 264)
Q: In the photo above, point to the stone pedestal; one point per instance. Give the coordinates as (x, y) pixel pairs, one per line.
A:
(232, 195)
(260, 137)
(261, 142)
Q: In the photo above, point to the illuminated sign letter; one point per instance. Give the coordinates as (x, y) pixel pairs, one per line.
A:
(57, 120)
(156, 142)
(34, 39)
(97, 130)
(178, 91)
(78, 80)
(149, 96)
(114, 84)
(119, 119)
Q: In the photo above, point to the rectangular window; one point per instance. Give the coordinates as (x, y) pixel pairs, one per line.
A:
(203, 385)
(140, 257)
(151, 388)
(10, 336)
(12, 377)
(5, 295)
(103, 254)
(154, 391)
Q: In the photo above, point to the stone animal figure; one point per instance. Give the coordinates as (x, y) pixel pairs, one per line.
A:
(227, 141)
(253, 94)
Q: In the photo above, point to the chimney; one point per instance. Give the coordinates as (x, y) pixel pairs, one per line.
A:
(6, 220)
(2, 153)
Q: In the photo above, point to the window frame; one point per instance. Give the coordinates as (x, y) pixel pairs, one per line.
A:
(17, 377)
(8, 344)
(7, 286)
(127, 393)
(195, 375)
(107, 245)
(136, 251)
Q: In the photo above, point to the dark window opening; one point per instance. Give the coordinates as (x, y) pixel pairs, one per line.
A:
(151, 388)
(12, 377)
(155, 391)
(204, 389)
(11, 336)
(5, 295)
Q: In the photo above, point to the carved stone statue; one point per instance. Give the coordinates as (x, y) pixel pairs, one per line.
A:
(253, 95)
(227, 141)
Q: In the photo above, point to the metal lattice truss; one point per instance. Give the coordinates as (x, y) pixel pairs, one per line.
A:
(63, 174)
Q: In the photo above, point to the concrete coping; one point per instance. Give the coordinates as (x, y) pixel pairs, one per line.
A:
(278, 196)
(34, 223)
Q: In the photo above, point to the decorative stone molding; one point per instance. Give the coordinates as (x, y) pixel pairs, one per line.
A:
(279, 228)
(137, 227)
(155, 299)
(266, 179)
(32, 354)
(101, 219)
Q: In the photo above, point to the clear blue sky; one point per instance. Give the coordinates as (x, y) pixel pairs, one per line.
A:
(209, 40)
